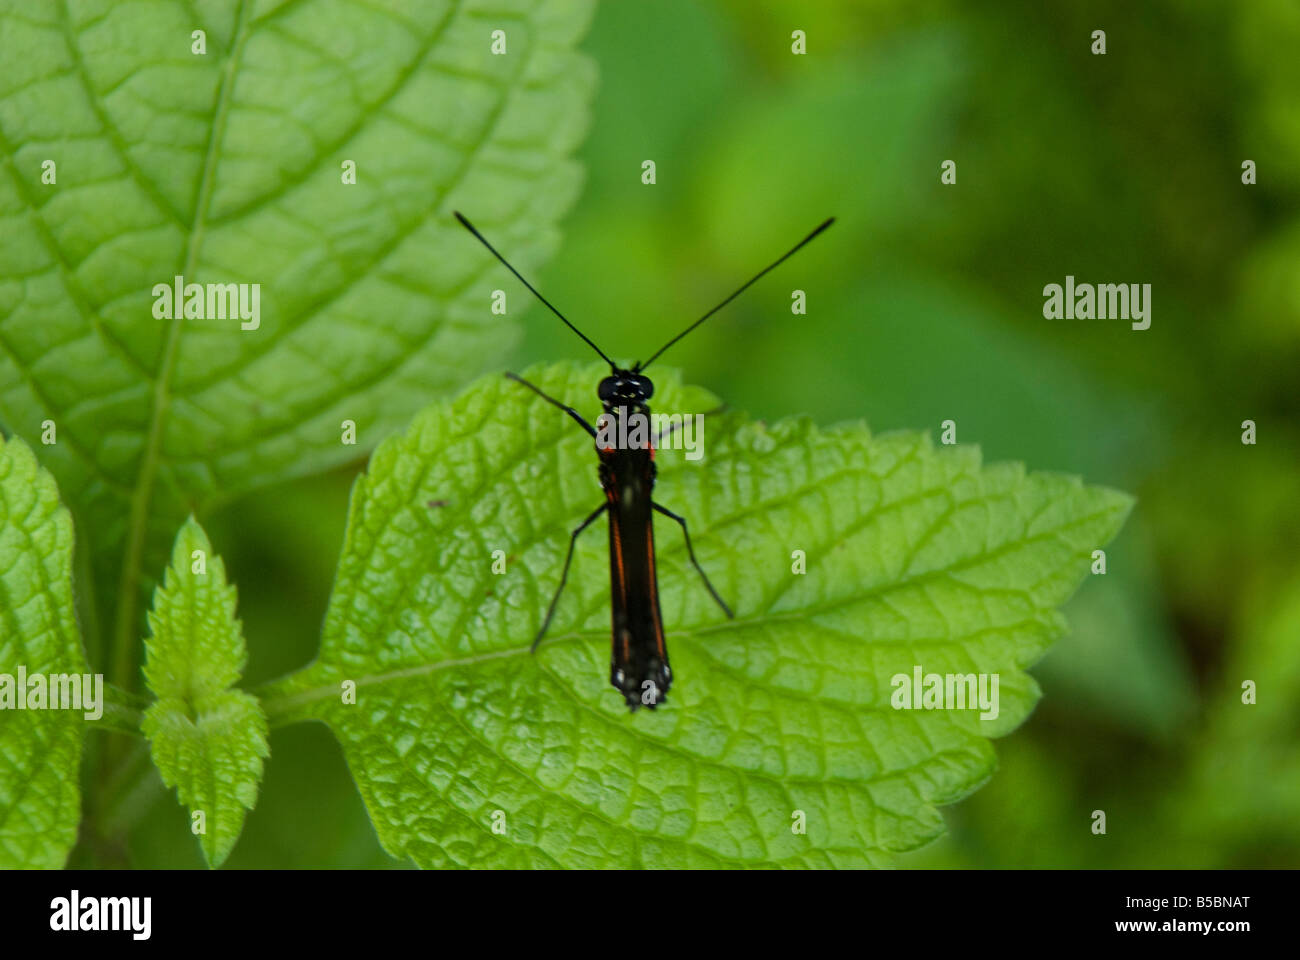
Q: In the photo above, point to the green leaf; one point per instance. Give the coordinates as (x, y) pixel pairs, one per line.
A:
(226, 167)
(208, 741)
(914, 556)
(40, 803)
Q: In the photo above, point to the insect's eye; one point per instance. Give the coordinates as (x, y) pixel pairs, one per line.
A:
(644, 386)
(608, 389)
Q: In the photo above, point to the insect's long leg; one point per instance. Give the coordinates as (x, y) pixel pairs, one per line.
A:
(556, 403)
(691, 553)
(564, 576)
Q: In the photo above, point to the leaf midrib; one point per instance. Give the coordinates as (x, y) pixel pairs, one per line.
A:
(122, 669)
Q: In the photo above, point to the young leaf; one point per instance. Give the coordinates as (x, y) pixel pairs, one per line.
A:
(40, 749)
(208, 741)
(222, 159)
(782, 716)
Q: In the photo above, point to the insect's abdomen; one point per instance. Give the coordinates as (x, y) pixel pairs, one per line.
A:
(639, 662)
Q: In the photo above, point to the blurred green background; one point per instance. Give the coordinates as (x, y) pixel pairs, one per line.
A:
(924, 304)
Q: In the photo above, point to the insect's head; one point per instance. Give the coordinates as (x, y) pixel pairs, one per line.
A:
(625, 388)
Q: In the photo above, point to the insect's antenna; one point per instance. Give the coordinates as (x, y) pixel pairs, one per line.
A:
(481, 239)
(771, 266)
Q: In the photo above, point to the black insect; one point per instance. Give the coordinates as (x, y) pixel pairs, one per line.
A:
(639, 665)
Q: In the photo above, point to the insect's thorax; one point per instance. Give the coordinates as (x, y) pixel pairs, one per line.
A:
(625, 443)
(626, 428)
(616, 408)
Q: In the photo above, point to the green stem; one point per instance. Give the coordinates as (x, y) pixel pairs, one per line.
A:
(126, 639)
(119, 718)
(123, 712)
(133, 789)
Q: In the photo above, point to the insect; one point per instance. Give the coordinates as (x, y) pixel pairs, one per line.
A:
(639, 664)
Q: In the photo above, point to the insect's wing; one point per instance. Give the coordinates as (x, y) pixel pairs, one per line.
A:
(639, 662)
